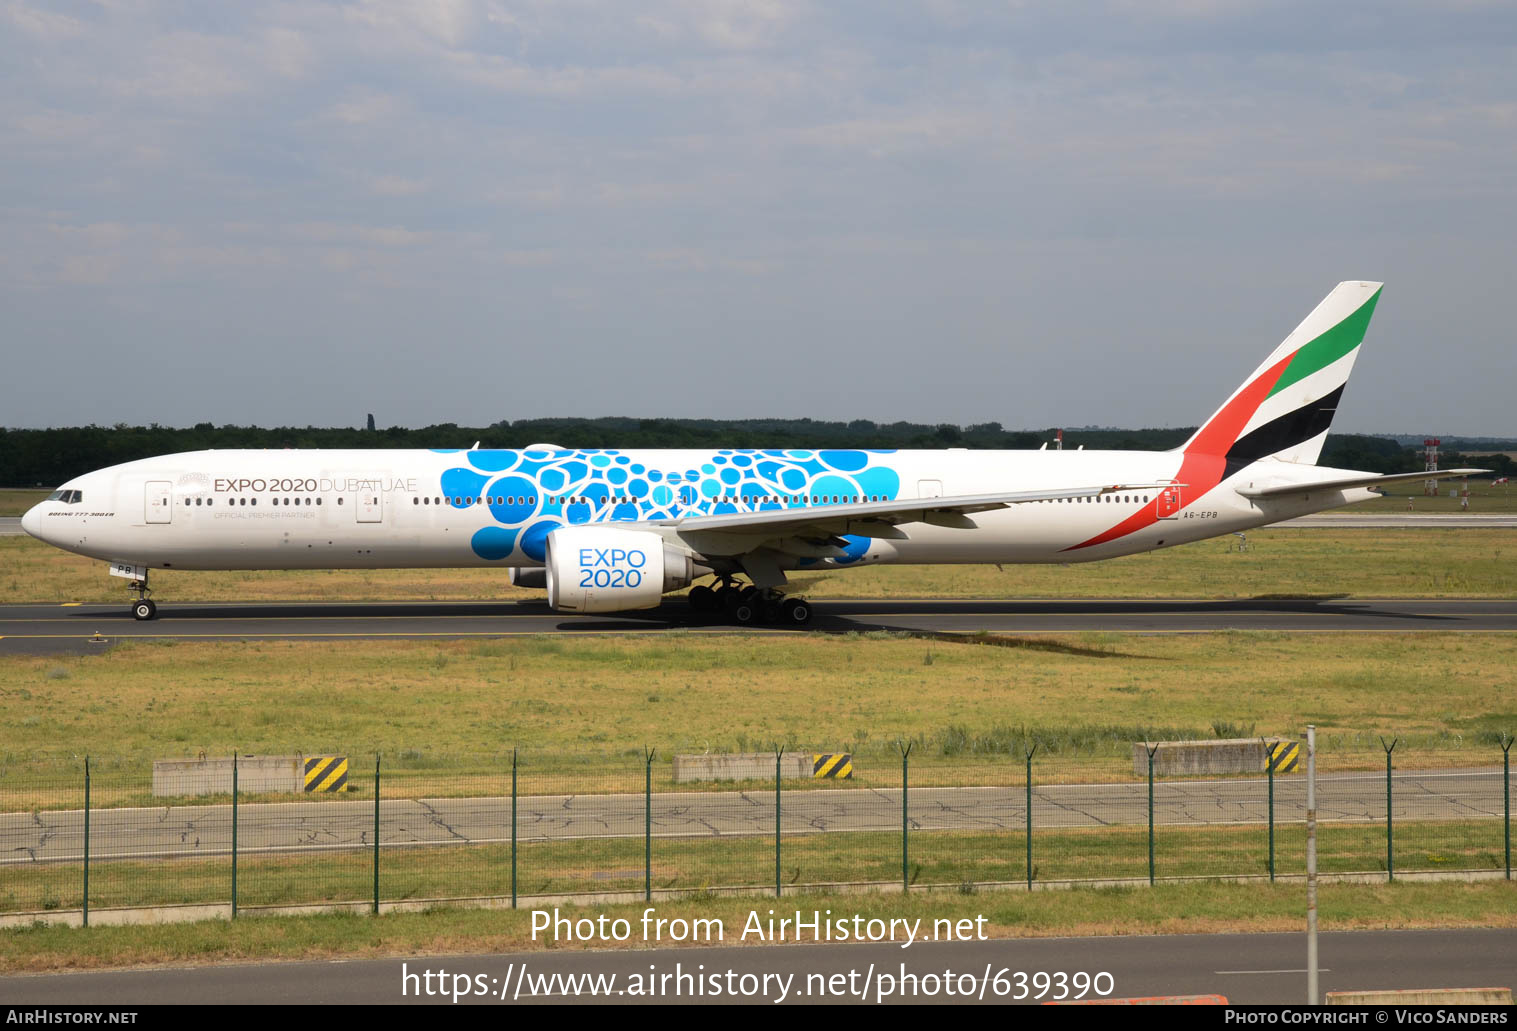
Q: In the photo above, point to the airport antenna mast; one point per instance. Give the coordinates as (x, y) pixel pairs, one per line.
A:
(1430, 464)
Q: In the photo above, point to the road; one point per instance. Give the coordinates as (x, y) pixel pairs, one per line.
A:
(54, 628)
(1245, 968)
(184, 831)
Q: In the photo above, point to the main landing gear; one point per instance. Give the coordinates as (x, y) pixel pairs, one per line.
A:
(143, 607)
(747, 605)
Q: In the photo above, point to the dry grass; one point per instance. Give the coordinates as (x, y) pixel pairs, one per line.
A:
(453, 707)
(1485, 498)
(16, 502)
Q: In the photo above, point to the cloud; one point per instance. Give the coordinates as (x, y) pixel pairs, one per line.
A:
(798, 181)
(397, 186)
(47, 25)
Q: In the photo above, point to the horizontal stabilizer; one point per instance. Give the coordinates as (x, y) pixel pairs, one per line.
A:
(1351, 482)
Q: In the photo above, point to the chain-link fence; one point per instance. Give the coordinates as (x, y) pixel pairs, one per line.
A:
(251, 833)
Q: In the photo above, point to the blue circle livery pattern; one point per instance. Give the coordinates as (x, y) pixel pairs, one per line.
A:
(526, 490)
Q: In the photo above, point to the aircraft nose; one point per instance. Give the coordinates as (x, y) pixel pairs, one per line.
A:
(31, 522)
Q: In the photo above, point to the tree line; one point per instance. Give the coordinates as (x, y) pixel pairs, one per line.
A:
(46, 457)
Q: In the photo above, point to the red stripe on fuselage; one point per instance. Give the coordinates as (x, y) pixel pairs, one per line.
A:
(1206, 458)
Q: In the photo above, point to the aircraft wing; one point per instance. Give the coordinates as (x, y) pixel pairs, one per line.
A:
(1350, 482)
(828, 523)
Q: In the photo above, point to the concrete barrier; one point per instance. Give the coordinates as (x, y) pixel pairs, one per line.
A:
(741, 766)
(255, 773)
(1423, 997)
(1178, 758)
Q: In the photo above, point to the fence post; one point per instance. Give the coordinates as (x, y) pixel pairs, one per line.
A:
(648, 827)
(778, 751)
(905, 817)
(85, 908)
(513, 828)
(1390, 833)
(376, 834)
(1269, 769)
(1150, 752)
(1311, 865)
(234, 835)
(1029, 815)
(1506, 800)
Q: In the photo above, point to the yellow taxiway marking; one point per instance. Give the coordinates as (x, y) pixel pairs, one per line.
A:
(70, 604)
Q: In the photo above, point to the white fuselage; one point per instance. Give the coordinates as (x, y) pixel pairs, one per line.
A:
(318, 509)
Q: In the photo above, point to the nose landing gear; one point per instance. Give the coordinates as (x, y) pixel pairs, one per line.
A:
(143, 607)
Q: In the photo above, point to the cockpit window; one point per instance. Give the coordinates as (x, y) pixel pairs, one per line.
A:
(68, 497)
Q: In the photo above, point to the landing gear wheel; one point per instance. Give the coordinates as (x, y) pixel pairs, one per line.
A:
(703, 599)
(745, 612)
(144, 609)
(795, 612)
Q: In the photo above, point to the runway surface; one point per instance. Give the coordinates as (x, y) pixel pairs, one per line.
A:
(311, 826)
(1245, 968)
(55, 628)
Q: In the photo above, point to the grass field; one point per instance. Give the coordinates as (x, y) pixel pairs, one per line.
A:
(1484, 498)
(1278, 563)
(450, 710)
(1182, 908)
(16, 502)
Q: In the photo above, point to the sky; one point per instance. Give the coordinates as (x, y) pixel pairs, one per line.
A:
(463, 211)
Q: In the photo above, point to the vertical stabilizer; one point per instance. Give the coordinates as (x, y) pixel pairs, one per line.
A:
(1284, 409)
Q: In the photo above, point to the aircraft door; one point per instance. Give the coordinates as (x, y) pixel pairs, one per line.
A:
(929, 488)
(1169, 502)
(370, 508)
(159, 501)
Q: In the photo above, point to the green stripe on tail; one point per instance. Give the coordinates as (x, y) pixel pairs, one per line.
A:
(1328, 347)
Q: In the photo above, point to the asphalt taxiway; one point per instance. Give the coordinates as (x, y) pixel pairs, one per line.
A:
(1244, 968)
(76, 628)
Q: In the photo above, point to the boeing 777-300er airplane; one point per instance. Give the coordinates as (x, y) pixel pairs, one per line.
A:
(609, 530)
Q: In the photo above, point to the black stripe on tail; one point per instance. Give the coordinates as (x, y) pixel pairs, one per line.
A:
(1283, 433)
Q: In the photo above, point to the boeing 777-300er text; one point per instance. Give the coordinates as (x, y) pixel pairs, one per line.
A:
(611, 530)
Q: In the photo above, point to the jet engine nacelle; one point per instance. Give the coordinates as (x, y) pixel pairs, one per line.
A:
(601, 569)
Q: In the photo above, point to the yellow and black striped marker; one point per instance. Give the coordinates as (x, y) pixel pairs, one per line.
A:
(327, 773)
(836, 765)
(1284, 755)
